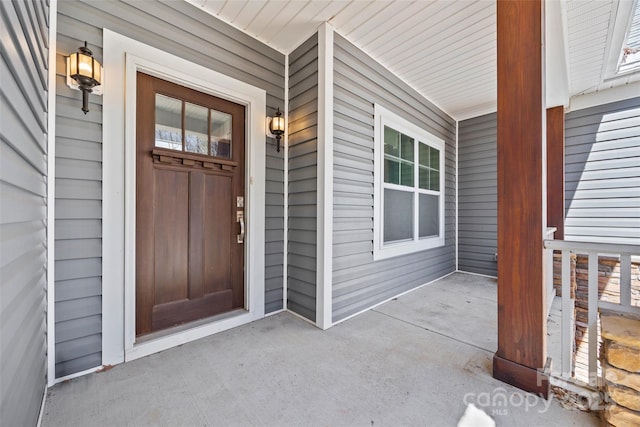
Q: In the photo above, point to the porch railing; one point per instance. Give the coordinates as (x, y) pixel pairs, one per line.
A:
(625, 304)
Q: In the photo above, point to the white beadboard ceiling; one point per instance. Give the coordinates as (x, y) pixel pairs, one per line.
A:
(445, 49)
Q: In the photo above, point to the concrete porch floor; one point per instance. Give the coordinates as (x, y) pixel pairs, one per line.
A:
(416, 360)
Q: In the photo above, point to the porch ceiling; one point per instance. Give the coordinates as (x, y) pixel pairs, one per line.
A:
(444, 49)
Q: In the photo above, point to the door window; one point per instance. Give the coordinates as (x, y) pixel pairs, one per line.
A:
(184, 126)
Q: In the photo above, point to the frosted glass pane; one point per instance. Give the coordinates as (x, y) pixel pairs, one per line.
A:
(398, 215)
(168, 122)
(221, 134)
(429, 215)
(196, 130)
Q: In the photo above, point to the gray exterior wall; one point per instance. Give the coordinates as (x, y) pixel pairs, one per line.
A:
(24, 45)
(358, 281)
(303, 119)
(183, 30)
(602, 181)
(602, 173)
(478, 195)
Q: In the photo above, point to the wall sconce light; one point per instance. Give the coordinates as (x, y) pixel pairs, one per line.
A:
(84, 73)
(276, 127)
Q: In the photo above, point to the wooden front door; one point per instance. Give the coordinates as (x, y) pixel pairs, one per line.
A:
(190, 205)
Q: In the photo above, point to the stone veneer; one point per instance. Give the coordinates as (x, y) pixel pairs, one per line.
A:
(620, 359)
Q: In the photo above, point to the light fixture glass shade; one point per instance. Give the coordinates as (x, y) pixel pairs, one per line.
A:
(85, 67)
(277, 124)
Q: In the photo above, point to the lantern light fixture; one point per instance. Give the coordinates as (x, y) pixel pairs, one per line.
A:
(84, 73)
(276, 127)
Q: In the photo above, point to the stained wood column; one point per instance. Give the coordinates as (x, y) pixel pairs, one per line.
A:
(555, 170)
(521, 356)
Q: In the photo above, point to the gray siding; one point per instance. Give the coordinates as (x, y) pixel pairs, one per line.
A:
(602, 181)
(303, 120)
(602, 173)
(358, 281)
(183, 30)
(24, 46)
(478, 195)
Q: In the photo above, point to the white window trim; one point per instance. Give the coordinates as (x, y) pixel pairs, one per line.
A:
(620, 23)
(382, 117)
(122, 58)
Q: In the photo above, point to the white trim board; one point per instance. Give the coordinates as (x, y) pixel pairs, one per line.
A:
(324, 254)
(285, 190)
(457, 190)
(51, 196)
(618, 93)
(122, 58)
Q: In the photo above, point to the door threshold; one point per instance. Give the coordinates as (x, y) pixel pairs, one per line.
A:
(181, 334)
(189, 325)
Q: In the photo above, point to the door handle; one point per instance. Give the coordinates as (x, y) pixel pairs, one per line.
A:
(240, 219)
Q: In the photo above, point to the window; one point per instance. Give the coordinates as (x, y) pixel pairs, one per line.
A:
(409, 187)
(630, 58)
(183, 126)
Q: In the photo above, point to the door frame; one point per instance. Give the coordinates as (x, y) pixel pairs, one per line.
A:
(122, 59)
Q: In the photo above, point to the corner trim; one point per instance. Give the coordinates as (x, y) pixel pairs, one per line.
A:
(324, 248)
(51, 195)
(285, 190)
(457, 190)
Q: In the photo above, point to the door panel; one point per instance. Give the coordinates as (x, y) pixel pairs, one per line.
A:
(171, 224)
(219, 211)
(190, 170)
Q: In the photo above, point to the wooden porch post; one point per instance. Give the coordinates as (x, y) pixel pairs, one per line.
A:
(521, 356)
(555, 170)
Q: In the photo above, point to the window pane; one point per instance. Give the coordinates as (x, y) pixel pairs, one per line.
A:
(391, 171)
(196, 128)
(435, 158)
(168, 122)
(406, 147)
(406, 174)
(424, 154)
(221, 134)
(424, 178)
(398, 215)
(434, 181)
(429, 215)
(391, 141)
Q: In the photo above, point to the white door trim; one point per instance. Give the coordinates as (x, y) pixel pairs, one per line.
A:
(122, 58)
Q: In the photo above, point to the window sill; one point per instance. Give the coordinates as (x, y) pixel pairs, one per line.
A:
(405, 248)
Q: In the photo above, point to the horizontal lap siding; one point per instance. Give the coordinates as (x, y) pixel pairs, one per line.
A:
(185, 31)
(303, 121)
(602, 171)
(358, 281)
(477, 195)
(23, 223)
